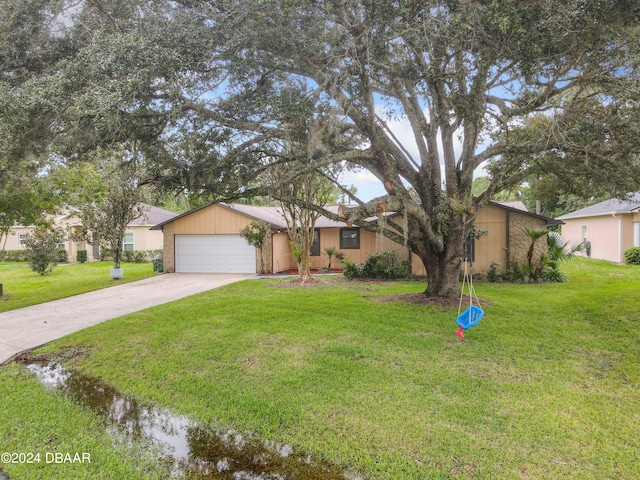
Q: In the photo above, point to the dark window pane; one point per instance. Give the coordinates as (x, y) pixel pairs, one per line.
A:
(350, 238)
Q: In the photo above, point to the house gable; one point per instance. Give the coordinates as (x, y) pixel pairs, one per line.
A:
(211, 220)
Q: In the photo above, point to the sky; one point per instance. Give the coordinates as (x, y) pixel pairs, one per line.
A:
(369, 186)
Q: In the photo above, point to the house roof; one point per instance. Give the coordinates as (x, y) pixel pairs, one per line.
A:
(274, 216)
(152, 216)
(608, 207)
(516, 204)
(521, 209)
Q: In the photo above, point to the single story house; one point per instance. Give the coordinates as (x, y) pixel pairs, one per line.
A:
(607, 228)
(207, 239)
(138, 235)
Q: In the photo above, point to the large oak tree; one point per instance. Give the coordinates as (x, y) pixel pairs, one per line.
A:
(517, 87)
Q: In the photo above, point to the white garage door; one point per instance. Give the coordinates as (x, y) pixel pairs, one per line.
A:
(214, 254)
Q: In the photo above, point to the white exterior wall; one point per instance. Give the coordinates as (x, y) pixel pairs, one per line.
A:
(608, 235)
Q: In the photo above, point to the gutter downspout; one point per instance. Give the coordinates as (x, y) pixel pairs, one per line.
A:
(619, 237)
(508, 242)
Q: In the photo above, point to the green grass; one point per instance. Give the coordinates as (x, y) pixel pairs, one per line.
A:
(22, 287)
(42, 422)
(546, 386)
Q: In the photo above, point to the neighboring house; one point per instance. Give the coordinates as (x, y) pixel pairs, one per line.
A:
(138, 235)
(607, 228)
(207, 239)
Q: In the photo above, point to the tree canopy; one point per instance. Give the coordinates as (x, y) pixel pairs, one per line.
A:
(210, 90)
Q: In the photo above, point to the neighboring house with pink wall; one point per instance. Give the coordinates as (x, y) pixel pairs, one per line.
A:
(207, 239)
(607, 228)
(138, 235)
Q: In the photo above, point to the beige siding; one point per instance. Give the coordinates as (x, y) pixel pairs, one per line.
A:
(417, 267)
(212, 220)
(492, 247)
(282, 259)
(367, 246)
(519, 241)
(329, 237)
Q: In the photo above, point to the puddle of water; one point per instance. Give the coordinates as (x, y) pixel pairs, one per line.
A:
(191, 450)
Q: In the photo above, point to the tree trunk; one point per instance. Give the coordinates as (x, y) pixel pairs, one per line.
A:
(443, 265)
(262, 269)
(117, 250)
(443, 275)
(304, 267)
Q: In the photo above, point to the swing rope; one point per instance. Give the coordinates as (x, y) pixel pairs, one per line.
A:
(467, 279)
(473, 314)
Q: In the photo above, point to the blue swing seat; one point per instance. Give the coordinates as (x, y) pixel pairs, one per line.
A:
(470, 317)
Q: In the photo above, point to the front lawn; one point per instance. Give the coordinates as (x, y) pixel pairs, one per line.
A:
(546, 386)
(23, 287)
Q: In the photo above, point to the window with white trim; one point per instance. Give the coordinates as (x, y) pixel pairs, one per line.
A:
(127, 243)
(22, 237)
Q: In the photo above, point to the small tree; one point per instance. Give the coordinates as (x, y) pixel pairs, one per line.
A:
(256, 234)
(330, 252)
(333, 252)
(108, 205)
(42, 249)
(557, 253)
(534, 235)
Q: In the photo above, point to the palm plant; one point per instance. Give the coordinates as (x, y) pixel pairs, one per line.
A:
(557, 252)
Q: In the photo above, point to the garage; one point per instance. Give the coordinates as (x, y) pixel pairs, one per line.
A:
(214, 254)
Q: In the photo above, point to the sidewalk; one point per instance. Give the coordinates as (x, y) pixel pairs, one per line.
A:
(27, 328)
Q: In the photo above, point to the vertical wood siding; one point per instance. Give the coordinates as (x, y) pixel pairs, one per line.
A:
(212, 220)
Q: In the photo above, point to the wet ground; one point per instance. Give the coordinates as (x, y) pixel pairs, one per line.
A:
(184, 447)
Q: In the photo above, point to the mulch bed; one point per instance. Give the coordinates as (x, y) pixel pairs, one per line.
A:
(421, 299)
(410, 298)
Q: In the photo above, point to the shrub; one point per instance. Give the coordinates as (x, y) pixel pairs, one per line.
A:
(42, 249)
(131, 256)
(13, 256)
(127, 256)
(105, 254)
(81, 256)
(256, 234)
(61, 256)
(351, 270)
(139, 256)
(492, 274)
(378, 265)
(546, 268)
(632, 256)
(554, 275)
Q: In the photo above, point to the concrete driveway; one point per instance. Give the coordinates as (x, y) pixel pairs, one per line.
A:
(27, 328)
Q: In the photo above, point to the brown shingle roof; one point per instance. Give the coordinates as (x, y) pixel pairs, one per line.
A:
(152, 216)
